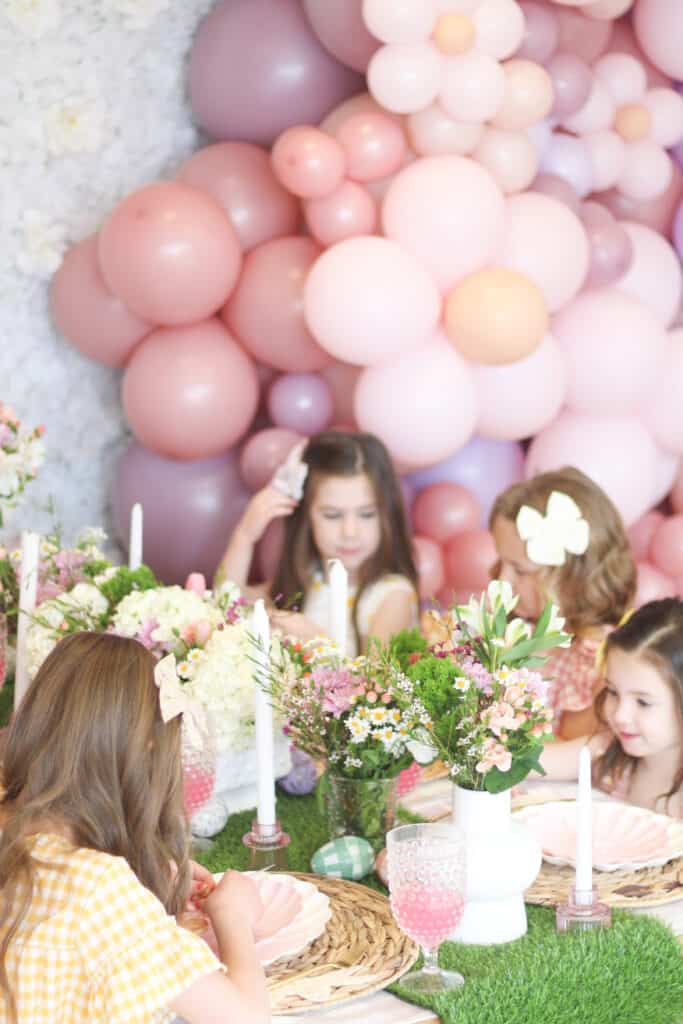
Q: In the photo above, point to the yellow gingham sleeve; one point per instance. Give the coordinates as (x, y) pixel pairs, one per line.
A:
(136, 956)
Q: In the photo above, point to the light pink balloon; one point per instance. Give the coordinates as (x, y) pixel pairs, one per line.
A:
(347, 212)
(406, 77)
(612, 344)
(265, 311)
(518, 400)
(308, 162)
(666, 469)
(339, 26)
(422, 405)
(659, 30)
(608, 9)
(557, 188)
(584, 37)
(170, 253)
(449, 212)
(469, 558)
(654, 277)
(510, 158)
(623, 40)
(366, 300)
(647, 171)
(571, 78)
(623, 75)
(300, 402)
(541, 32)
(472, 87)
(240, 177)
(595, 115)
(263, 453)
(83, 309)
(652, 585)
(433, 133)
(661, 409)
(190, 392)
(666, 548)
(568, 157)
(641, 532)
(607, 152)
(342, 379)
(374, 146)
(362, 103)
(499, 27)
(528, 95)
(596, 445)
(657, 213)
(666, 111)
(429, 564)
(441, 510)
(546, 241)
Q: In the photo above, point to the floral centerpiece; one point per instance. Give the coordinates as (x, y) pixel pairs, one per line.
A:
(21, 455)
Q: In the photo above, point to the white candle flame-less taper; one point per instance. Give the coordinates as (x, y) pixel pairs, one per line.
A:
(265, 805)
(30, 549)
(584, 832)
(339, 600)
(135, 537)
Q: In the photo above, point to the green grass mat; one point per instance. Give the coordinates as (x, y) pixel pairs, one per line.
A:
(631, 974)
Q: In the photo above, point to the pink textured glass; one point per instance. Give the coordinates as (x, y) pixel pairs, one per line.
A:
(199, 771)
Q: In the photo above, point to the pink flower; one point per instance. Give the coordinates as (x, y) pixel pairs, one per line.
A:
(203, 630)
(494, 755)
(371, 697)
(500, 716)
(386, 698)
(145, 634)
(515, 695)
(338, 687)
(196, 583)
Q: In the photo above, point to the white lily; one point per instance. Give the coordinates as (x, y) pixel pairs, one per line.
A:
(556, 625)
(516, 630)
(472, 614)
(500, 594)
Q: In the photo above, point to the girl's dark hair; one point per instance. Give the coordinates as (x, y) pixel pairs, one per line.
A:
(89, 750)
(654, 633)
(336, 453)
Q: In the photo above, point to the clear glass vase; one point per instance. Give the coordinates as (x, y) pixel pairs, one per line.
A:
(360, 807)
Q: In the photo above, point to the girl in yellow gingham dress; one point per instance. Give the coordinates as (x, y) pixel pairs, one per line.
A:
(93, 862)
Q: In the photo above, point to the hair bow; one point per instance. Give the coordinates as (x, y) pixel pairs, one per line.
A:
(290, 477)
(549, 537)
(173, 700)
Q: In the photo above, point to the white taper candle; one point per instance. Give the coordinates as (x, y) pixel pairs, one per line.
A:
(265, 783)
(584, 831)
(135, 537)
(339, 599)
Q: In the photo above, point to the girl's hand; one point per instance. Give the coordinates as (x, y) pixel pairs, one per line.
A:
(266, 505)
(202, 883)
(295, 624)
(235, 899)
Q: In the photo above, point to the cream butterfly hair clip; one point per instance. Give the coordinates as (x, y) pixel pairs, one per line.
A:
(174, 700)
(290, 477)
(551, 536)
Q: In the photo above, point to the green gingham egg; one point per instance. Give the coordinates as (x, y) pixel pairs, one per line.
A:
(349, 857)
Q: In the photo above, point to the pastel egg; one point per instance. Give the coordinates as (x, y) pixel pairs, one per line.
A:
(350, 857)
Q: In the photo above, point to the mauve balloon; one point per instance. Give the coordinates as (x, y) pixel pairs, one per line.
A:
(190, 509)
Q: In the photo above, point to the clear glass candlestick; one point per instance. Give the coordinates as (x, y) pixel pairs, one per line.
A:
(582, 912)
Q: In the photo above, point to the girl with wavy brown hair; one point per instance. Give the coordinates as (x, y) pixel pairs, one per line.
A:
(94, 861)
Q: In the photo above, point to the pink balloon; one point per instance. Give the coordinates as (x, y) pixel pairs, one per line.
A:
(518, 400)
(263, 453)
(659, 30)
(647, 171)
(541, 32)
(442, 510)
(469, 558)
(429, 565)
(641, 532)
(662, 406)
(265, 312)
(582, 36)
(170, 253)
(623, 40)
(595, 115)
(340, 27)
(596, 445)
(654, 275)
(607, 152)
(612, 345)
(239, 176)
(363, 103)
(568, 157)
(666, 548)
(301, 402)
(448, 212)
(269, 549)
(571, 78)
(676, 495)
(422, 406)
(652, 585)
(556, 188)
(405, 77)
(190, 392)
(83, 309)
(342, 379)
(666, 468)
(366, 300)
(611, 249)
(308, 162)
(433, 133)
(374, 145)
(257, 68)
(657, 213)
(509, 156)
(347, 212)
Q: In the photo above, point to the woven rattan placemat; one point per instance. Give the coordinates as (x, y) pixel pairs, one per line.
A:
(362, 950)
(648, 887)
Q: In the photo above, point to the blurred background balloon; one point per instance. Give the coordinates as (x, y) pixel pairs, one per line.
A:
(263, 453)
(469, 559)
(301, 402)
(340, 27)
(429, 564)
(443, 509)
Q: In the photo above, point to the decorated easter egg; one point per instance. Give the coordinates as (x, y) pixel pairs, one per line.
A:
(381, 867)
(349, 857)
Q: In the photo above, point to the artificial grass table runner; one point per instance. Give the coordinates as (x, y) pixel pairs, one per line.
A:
(629, 974)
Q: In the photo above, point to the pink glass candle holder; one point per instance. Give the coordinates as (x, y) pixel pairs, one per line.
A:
(267, 845)
(582, 912)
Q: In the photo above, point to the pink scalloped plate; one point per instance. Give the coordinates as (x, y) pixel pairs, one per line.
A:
(294, 915)
(624, 836)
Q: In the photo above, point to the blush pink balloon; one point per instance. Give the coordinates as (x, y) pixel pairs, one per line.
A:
(607, 152)
(190, 392)
(623, 40)
(269, 549)
(429, 564)
(347, 212)
(263, 453)
(442, 510)
(374, 145)
(469, 558)
(518, 400)
(340, 27)
(308, 162)
(640, 534)
(661, 409)
(265, 312)
(240, 177)
(83, 309)
(652, 585)
(342, 379)
(301, 402)
(170, 253)
(557, 188)
(541, 32)
(363, 103)
(571, 78)
(666, 468)
(666, 548)
(657, 213)
(585, 37)
(659, 30)
(676, 495)
(654, 275)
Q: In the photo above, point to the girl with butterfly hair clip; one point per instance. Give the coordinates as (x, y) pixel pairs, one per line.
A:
(560, 538)
(95, 879)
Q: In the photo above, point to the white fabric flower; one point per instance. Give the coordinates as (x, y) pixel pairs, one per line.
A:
(44, 244)
(549, 537)
(138, 14)
(33, 18)
(74, 126)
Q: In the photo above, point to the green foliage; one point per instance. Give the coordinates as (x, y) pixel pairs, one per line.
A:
(404, 646)
(125, 580)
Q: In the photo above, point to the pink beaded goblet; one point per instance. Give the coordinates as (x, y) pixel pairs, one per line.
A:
(199, 771)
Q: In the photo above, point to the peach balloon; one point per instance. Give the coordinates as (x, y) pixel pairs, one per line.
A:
(433, 133)
(654, 276)
(652, 585)
(441, 510)
(374, 145)
(666, 548)
(659, 29)
(239, 176)
(528, 95)
(265, 452)
(469, 558)
(454, 33)
(83, 309)
(170, 253)
(190, 392)
(640, 534)
(429, 565)
(632, 122)
(347, 212)
(308, 162)
(266, 312)
(496, 316)
(510, 158)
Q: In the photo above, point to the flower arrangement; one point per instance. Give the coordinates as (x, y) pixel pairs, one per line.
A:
(479, 684)
(21, 456)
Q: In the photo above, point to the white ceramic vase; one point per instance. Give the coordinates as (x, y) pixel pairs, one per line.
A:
(503, 859)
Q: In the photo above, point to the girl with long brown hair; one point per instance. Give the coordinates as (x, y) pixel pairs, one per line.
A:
(94, 860)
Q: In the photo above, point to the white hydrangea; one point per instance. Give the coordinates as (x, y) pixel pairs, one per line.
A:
(84, 601)
(172, 608)
(138, 14)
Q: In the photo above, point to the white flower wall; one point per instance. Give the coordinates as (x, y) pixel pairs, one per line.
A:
(92, 105)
